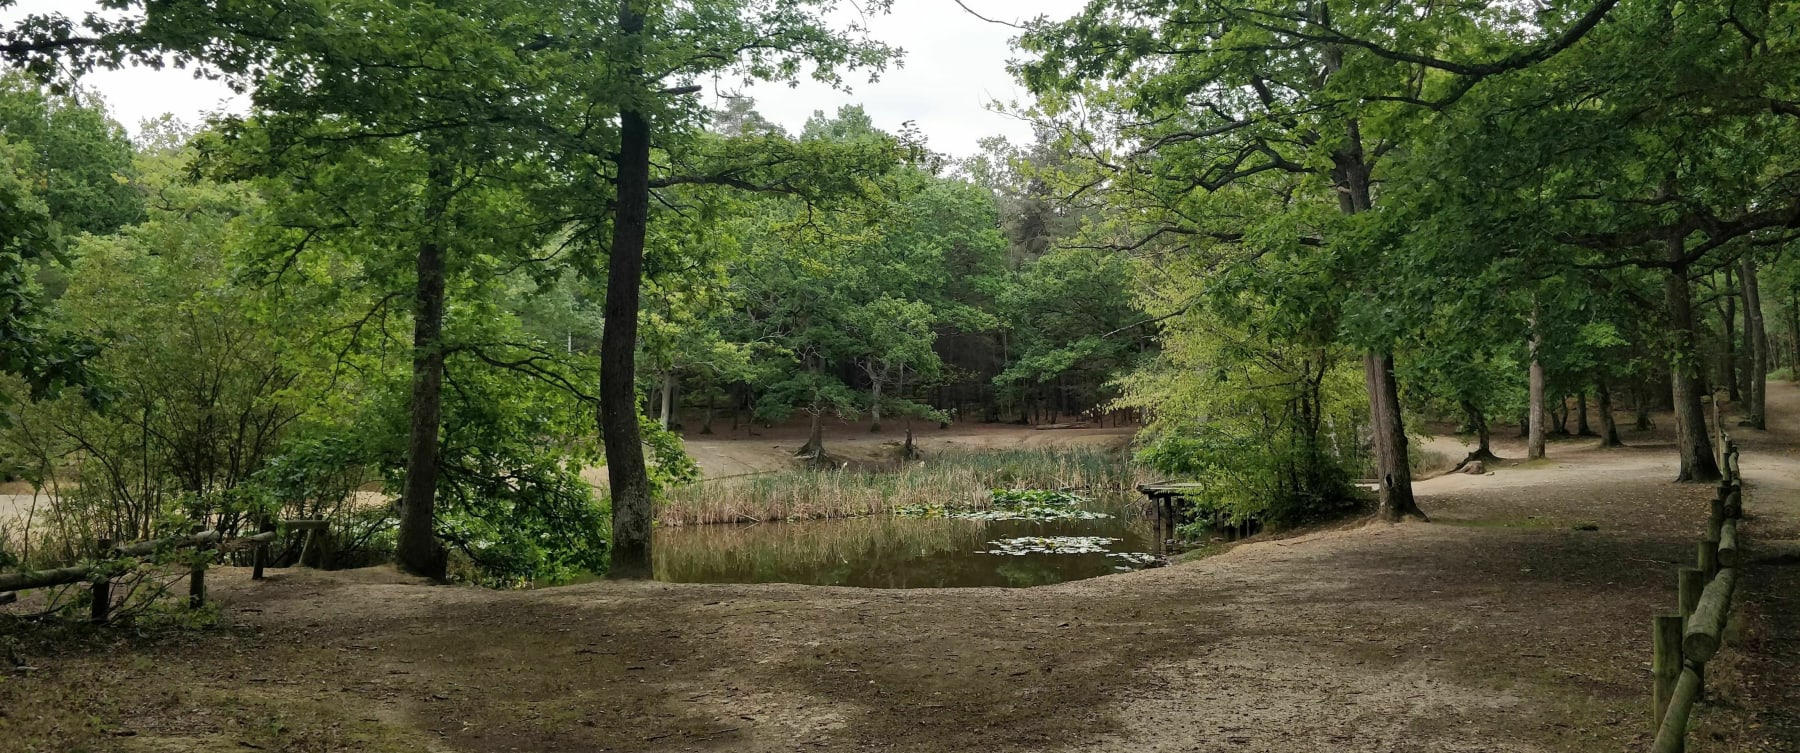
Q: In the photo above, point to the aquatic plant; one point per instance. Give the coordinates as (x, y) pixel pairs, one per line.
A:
(1041, 505)
(1140, 559)
(1051, 545)
(947, 484)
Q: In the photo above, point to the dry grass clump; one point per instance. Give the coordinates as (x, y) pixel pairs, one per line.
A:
(707, 552)
(962, 479)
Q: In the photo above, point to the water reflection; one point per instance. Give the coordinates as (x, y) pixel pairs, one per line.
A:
(892, 552)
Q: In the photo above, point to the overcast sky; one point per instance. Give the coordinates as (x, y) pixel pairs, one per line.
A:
(955, 65)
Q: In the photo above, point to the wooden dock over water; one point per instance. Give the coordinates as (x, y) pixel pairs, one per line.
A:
(1166, 508)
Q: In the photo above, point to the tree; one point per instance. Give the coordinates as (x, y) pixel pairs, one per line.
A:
(1756, 335)
(1588, 161)
(412, 122)
(65, 169)
(83, 160)
(652, 54)
(1199, 96)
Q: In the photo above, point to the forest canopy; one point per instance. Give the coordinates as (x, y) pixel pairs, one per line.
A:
(456, 256)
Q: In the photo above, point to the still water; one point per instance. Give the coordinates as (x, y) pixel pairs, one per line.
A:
(886, 552)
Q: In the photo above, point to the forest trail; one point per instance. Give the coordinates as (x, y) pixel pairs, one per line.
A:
(1499, 627)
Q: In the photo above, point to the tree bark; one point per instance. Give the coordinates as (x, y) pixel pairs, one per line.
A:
(1728, 366)
(874, 404)
(1392, 463)
(1697, 462)
(668, 398)
(1794, 337)
(1478, 423)
(1350, 173)
(1484, 447)
(1609, 429)
(1534, 443)
(815, 440)
(628, 475)
(1582, 429)
(1756, 336)
(416, 546)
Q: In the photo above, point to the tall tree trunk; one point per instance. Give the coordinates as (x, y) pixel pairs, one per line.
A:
(874, 405)
(1581, 421)
(1561, 412)
(628, 475)
(1757, 337)
(668, 399)
(416, 546)
(1478, 423)
(1697, 463)
(1728, 360)
(1609, 429)
(1641, 396)
(1794, 337)
(1391, 449)
(1534, 443)
(1350, 172)
(815, 440)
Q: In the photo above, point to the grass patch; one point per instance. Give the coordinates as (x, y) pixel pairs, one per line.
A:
(960, 481)
(1041, 505)
(704, 552)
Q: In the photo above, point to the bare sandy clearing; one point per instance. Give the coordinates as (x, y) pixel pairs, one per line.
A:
(1501, 627)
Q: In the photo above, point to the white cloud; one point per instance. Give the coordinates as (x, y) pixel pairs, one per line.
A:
(955, 65)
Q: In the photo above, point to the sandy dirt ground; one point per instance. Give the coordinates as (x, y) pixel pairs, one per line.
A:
(1504, 625)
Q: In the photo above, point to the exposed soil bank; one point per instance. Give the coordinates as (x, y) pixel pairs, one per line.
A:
(1500, 627)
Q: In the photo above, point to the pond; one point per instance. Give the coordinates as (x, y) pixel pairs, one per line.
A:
(896, 552)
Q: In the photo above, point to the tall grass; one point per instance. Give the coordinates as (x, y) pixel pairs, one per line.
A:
(954, 478)
(705, 553)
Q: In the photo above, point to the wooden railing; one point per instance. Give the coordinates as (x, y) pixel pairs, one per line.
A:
(1684, 642)
(115, 561)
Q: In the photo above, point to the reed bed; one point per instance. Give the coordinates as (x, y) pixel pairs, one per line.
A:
(774, 552)
(960, 479)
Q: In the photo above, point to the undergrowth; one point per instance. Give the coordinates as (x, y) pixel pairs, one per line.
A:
(962, 481)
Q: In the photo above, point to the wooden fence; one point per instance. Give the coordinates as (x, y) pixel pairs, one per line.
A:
(115, 561)
(1682, 643)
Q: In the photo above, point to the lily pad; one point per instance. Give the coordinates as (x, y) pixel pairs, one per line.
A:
(1050, 545)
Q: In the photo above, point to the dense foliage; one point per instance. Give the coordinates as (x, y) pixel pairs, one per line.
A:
(457, 255)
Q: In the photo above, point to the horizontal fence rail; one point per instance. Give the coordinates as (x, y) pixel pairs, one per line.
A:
(1682, 643)
(115, 561)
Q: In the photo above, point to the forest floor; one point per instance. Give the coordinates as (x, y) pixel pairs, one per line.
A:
(1501, 626)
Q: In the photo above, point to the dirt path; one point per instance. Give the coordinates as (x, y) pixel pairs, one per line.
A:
(1499, 627)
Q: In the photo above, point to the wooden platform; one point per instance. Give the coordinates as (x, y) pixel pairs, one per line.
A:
(1168, 490)
(1165, 507)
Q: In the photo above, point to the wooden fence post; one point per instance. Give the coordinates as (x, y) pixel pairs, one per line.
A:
(327, 549)
(259, 557)
(1691, 582)
(197, 577)
(1709, 557)
(100, 588)
(1665, 663)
